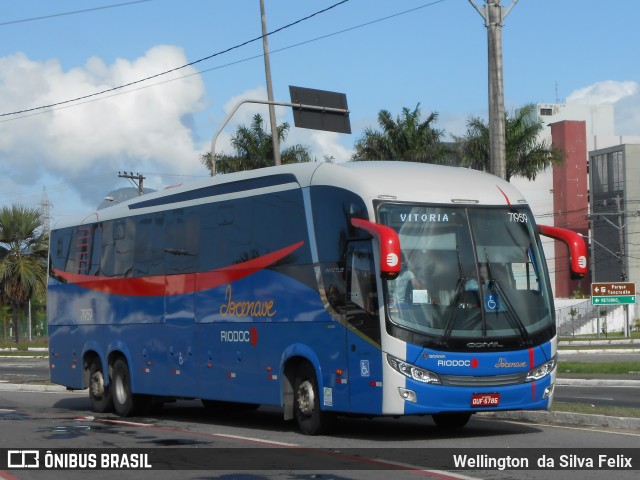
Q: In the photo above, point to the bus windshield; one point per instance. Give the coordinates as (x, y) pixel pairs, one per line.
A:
(469, 274)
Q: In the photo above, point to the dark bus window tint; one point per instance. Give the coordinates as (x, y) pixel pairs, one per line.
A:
(333, 209)
(181, 241)
(235, 229)
(362, 295)
(60, 241)
(124, 231)
(209, 238)
(117, 248)
(279, 221)
(95, 234)
(149, 246)
(79, 250)
(247, 228)
(108, 250)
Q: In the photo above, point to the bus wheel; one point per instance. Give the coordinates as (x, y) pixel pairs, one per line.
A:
(121, 389)
(311, 420)
(99, 394)
(451, 420)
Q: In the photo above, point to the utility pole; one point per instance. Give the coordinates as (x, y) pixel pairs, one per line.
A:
(138, 176)
(493, 17)
(623, 271)
(267, 69)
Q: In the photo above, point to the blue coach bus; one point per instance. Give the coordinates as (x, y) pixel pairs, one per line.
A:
(375, 288)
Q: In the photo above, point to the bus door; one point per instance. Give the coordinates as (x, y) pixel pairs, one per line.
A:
(363, 330)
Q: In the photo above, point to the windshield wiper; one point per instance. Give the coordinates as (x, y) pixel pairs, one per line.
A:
(452, 316)
(512, 316)
(462, 281)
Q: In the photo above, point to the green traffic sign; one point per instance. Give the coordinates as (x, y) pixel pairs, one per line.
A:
(614, 300)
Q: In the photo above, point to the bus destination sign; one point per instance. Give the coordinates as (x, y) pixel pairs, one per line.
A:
(613, 293)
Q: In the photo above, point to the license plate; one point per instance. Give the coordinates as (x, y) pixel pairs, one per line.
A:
(485, 399)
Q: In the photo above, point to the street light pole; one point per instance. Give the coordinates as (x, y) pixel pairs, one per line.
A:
(493, 17)
(267, 69)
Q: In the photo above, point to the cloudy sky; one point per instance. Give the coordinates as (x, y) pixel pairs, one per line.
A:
(75, 106)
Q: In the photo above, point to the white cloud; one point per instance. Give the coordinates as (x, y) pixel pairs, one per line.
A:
(143, 130)
(625, 96)
(328, 144)
(608, 91)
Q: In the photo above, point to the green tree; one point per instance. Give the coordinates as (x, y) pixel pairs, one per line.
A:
(407, 138)
(23, 259)
(254, 149)
(526, 154)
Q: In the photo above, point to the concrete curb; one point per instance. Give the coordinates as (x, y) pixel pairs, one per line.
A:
(604, 341)
(599, 351)
(568, 418)
(594, 382)
(27, 387)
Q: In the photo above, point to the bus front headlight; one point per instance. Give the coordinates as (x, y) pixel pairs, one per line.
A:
(411, 371)
(543, 370)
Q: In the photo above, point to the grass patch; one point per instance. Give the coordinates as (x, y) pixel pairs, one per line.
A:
(24, 344)
(593, 410)
(593, 336)
(608, 368)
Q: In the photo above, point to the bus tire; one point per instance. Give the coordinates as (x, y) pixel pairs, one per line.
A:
(311, 419)
(99, 393)
(451, 421)
(121, 389)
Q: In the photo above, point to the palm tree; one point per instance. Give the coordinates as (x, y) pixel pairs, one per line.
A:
(254, 149)
(406, 138)
(526, 154)
(23, 259)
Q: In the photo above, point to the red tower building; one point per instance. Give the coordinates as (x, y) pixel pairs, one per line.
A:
(570, 198)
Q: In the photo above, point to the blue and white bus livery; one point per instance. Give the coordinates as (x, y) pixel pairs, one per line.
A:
(376, 288)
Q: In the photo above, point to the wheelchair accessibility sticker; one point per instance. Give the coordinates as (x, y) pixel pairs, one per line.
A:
(364, 368)
(492, 303)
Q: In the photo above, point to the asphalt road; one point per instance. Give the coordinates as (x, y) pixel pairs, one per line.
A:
(184, 436)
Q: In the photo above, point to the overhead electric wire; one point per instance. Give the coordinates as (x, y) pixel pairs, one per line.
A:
(322, 37)
(74, 12)
(177, 68)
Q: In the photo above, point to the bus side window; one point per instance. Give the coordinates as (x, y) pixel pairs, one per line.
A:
(96, 246)
(108, 250)
(362, 294)
(182, 241)
(116, 252)
(124, 235)
(62, 240)
(149, 250)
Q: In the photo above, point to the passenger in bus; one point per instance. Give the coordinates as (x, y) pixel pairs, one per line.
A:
(483, 273)
(410, 285)
(472, 296)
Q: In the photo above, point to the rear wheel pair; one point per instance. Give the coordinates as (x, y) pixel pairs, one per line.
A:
(117, 395)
